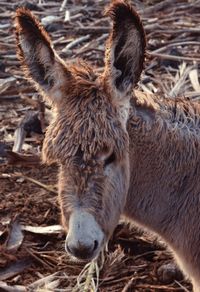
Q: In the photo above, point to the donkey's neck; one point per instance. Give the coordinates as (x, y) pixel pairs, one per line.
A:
(164, 150)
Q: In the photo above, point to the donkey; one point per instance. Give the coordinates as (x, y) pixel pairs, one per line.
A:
(118, 153)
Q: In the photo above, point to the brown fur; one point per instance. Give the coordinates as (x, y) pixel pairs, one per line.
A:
(119, 152)
(164, 183)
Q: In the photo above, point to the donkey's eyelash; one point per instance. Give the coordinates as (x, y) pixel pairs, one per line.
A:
(110, 159)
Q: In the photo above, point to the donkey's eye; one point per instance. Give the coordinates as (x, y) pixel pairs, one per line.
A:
(110, 159)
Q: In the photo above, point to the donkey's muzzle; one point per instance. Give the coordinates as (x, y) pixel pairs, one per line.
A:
(85, 237)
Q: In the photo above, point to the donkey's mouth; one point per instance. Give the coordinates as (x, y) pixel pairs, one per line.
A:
(82, 258)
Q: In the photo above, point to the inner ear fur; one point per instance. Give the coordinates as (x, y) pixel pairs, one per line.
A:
(40, 62)
(126, 45)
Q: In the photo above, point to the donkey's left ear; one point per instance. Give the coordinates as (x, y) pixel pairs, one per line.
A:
(125, 48)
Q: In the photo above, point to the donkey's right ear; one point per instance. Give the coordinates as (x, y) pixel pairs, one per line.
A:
(39, 61)
(125, 48)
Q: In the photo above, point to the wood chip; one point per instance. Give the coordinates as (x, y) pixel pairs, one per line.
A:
(54, 229)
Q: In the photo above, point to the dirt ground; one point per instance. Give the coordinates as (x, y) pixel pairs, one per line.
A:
(34, 259)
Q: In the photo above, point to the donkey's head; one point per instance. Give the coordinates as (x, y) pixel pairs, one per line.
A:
(88, 136)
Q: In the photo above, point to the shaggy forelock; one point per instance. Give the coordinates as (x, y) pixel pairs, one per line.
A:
(87, 122)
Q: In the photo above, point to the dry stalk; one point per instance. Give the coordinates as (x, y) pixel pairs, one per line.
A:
(88, 279)
(42, 185)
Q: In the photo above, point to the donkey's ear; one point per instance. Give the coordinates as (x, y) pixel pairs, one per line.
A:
(125, 48)
(39, 61)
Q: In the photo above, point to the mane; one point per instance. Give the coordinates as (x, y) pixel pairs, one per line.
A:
(184, 113)
(178, 113)
(173, 123)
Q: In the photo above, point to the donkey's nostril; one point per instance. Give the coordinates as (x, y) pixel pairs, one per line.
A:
(95, 245)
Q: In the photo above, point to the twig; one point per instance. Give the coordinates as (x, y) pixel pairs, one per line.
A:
(179, 284)
(31, 252)
(176, 58)
(62, 7)
(176, 44)
(157, 287)
(130, 284)
(75, 43)
(44, 186)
